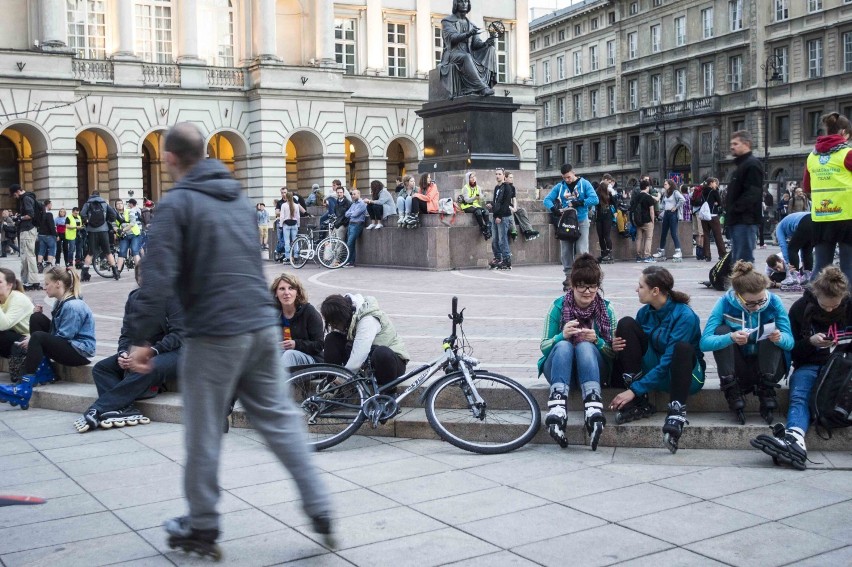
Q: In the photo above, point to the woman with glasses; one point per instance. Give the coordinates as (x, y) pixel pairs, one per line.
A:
(749, 334)
(820, 320)
(658, 351)
(577, 349)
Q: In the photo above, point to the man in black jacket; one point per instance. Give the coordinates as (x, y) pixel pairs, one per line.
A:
(504, 192)
(28, 232)
(744, 199)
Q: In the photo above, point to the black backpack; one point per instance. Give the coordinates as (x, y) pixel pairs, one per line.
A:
(831, 398)
(721, 272)
(568, 227)
(38, 209)
(97, 214)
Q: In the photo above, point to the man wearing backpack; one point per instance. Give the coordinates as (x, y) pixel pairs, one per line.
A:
(577, 193)
(97, 215)
(29, 211)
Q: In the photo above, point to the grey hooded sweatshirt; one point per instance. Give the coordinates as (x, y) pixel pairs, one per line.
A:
(202, 245)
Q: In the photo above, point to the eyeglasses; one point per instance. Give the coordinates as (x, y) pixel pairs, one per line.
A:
(586, 288)
(757, 303)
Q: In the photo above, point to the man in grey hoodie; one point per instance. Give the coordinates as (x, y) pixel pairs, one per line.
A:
(97, 214)
(232, 334)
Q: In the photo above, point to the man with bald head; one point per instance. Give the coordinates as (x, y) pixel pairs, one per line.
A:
(232, 333)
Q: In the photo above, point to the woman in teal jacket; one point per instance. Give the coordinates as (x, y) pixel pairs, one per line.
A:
(576, 348)
(658, 351)
(749, 334)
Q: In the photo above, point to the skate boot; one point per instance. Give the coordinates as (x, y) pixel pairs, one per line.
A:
(85, 275)
(125, 416)
(731, 388)
(595, 419)
(557, 417)
(784, 445)
(765, 391)
(89, 421)
(18, 394)
(505, 265)
(677, 256)
(44, 373)
(639, 408)
(699, 253)
(659, 255)
(492, 265)
(673, 427)
(184, 536)
(115, 273)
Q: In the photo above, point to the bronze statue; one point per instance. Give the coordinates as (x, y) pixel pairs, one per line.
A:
(468, 64)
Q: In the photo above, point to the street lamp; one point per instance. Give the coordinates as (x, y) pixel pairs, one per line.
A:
(659, 121)
(770, 74)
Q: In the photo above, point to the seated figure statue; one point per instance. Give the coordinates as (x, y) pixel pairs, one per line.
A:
(468, 64)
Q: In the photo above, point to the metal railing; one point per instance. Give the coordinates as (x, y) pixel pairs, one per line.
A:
(92, 70)
(161, 74)
(226, 78)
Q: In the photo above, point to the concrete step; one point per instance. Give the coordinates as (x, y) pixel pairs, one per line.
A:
(706, 430)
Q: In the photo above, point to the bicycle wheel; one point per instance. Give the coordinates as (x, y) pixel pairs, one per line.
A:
(331, 401)
(300, 251)
(509, 418)
(102, 267)
(332, 252)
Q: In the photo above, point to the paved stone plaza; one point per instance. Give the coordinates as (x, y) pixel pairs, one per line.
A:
(423, 502)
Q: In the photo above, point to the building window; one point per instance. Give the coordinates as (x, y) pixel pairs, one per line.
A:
(680, 31)
(680, 83)
(532, 45)
(500, 47)
(707, 22)
(655, 39)
(578, 153)
(594, 23)
(560, 67)
(612, 151)
(656, 89)
(611, 16)
(815, 58)
(437, 43)
(782, 10)
(735, 14)
(154, 30)
(634, 146)
(847, 52)
(578, 29)
(813, 123)
(593, 99)
(782, 63)
(344, 44)
(596, 152)
(547, 41)
(634, 8)
(633, 94)
(560, 107)
(610, 53)
(545, 71)
(561, 35)
(782, 130)
(610, 100)
(563, 154)
(548, 158)
(706, 143)
(736, 72)
(593, 57)
(397, 50)
(532, 74)
(578, 63)
(737, 124)
(216, 18)
(708, 81)
(578, 107)
(87, 28)
(631, 45)
(658, 3)
(814, 6)
(546, 110)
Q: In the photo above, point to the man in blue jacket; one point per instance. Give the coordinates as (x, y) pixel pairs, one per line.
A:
(572, 192)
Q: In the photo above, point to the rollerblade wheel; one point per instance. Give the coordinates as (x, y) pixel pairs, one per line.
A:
(670, 442)
(597, 430)
(619, 419)
(558, 435)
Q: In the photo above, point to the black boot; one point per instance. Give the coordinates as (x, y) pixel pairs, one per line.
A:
(85, 275)
(115, 273)
(731, 388)
(673, 427)
(557, 417)
(765, 391)
(594, 419)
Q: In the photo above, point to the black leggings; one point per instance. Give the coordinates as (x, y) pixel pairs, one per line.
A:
(768, 361)
(42, 344)
(419, 207)
(481, 216)
(386, 364)
(604, 226)
(7, 339)
(629, 360)
(375, 211)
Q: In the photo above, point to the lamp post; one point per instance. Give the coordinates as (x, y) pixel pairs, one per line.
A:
(660, 128)
(770, 74)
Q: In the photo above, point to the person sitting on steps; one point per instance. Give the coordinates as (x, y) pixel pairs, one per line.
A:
(824, 308)
(658, 351)
(302, 329)
(118, 386)
(577, 350)
(470, 202)
(519, 216)
(425, 201)
(403, 203)
(380, 205)
(15, 311)
(747, 361)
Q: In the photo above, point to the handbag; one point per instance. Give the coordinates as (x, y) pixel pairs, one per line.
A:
(704, 212)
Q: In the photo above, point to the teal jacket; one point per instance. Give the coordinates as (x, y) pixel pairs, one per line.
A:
(553, 334)
(560, 197)
(728, 311)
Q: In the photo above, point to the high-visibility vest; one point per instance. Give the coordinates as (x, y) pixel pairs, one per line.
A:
(471, 193)
(135, 231)
(831, 186)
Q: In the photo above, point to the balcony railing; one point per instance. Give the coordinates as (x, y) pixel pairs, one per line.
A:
(162, 75)
(225, 78)
(680, 109)
(92, 70)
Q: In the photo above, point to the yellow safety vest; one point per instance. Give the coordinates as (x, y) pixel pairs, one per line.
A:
(471, 193)
(135, 231)
(831, 186)
(71, 228)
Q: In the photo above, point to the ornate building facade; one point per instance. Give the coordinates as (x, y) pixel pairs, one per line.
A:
(289, 92)
(658, 86)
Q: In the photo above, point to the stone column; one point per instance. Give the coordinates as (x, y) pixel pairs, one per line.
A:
(521, 39)
(188, 52)
(325, 33)
(264, 31)
(125, 33)
(53, 25)
(425, 62)
(375, 39)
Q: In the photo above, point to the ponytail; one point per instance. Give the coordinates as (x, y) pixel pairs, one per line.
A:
(662, 279)
(69, 278)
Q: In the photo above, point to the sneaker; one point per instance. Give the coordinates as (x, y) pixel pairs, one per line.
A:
(639, 259)
(322, 526)
(649, 260)
(677, 254)
(378, 226)
(370, 227)
(762, 246)
(660, 254)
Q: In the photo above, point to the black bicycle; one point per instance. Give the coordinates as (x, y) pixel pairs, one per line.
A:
(104, 270)
(473, 409)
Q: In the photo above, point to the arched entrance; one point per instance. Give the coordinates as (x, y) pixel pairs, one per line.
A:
(402, 159)
(357, 163)
(100, 172)
(155, 179)
(82, 175)
(23, 160)
(229, 148)
(9, 164)
(681, 168)
(305, 160)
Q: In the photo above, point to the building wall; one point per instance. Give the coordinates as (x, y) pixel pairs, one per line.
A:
(651, 137)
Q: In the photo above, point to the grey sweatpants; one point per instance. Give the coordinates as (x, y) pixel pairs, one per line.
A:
(213, 370)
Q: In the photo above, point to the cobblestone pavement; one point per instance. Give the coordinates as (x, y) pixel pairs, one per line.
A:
(420, 502)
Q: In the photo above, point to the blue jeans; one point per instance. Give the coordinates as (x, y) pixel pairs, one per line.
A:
(560, 364)
(824, 256)
(288, 235)
(743, 239)
(132, 242)
(353, 232)
(403, 206)
(669, 225)
(46, 245)
(801, 383)
(71, 247)
(500, 243)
